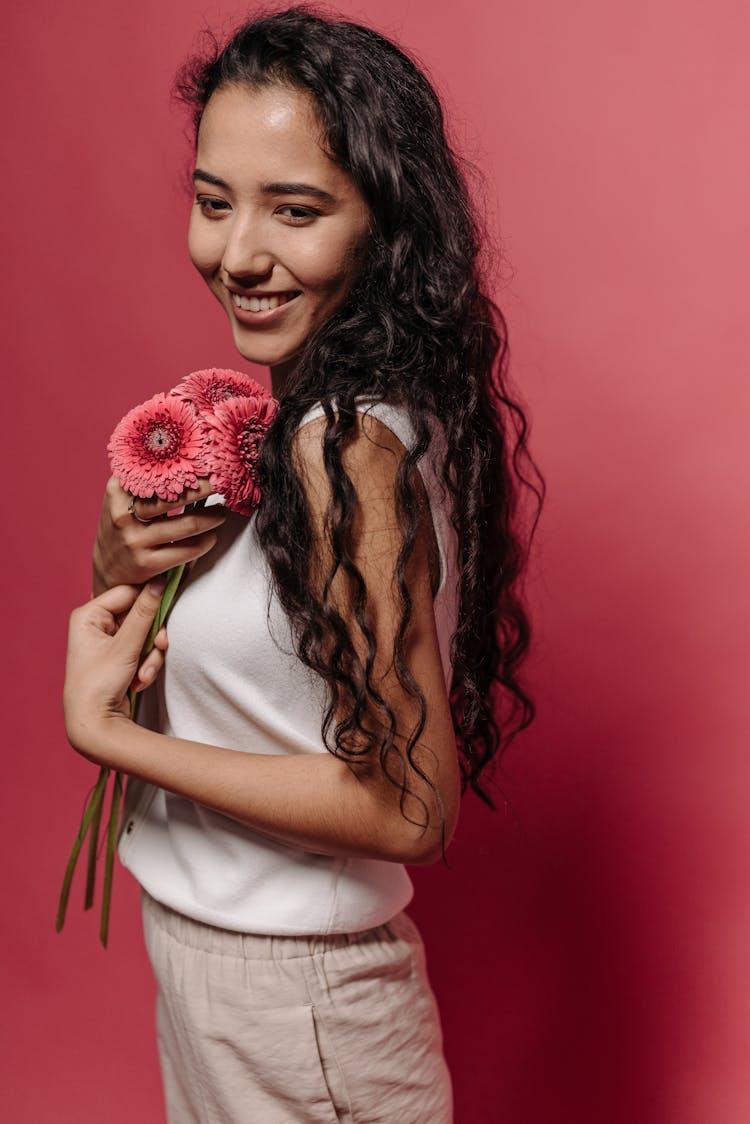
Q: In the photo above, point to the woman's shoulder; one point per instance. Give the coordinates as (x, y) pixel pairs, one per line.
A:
(382, 434)
(376, 415)
(385, 431)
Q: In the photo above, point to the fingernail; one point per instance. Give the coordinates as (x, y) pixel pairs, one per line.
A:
(157, 585)
(147, 674)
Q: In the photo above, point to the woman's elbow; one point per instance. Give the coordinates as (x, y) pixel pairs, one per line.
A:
(417, 845)
(423, 856)
(417, 828)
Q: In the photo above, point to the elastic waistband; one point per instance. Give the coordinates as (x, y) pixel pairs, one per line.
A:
(258, 946)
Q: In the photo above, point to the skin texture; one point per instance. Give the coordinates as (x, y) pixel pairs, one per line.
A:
(246, 238)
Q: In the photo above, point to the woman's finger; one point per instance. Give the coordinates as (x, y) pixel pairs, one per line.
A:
(164, 558)
(149, 669)
(153, 662)
(161, 640)
(117, 600)
(177, 528)
(136, 626)
(124, 505)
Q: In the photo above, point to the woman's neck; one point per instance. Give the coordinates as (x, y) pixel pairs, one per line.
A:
(280, 374)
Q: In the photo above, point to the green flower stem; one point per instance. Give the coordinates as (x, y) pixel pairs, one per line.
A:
(174, 577)
(109, 866)
(93, 848)
(95, 800)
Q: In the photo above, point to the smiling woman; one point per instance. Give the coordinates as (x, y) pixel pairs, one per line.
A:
(343, 664)
(280, 235)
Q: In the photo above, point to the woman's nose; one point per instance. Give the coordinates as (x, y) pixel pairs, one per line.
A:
(245, 254)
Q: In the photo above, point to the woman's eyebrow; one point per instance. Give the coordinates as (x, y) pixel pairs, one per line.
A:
(271, 188)
(297, 189)
(199, 174)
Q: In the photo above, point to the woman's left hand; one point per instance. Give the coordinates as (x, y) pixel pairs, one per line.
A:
(103, 653)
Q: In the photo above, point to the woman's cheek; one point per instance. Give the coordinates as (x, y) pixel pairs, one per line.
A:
(327, 270)
(204, 248)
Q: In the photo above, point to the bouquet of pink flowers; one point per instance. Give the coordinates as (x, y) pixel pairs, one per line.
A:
(210, 425)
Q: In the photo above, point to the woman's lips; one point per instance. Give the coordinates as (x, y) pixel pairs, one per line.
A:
(260, 308)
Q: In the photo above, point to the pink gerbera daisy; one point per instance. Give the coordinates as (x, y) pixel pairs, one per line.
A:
(236, 428)
(159, 449)
(204, 390)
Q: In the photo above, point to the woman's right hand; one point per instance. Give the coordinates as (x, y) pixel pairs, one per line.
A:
(130, 552)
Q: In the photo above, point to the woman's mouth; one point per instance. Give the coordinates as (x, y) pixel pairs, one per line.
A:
(262, 303)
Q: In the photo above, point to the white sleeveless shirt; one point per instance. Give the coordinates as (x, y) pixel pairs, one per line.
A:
(231, 678)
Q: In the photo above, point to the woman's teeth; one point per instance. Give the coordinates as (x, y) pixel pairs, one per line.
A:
(262, 304)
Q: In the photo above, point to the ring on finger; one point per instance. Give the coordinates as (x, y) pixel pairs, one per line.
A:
(133, 512)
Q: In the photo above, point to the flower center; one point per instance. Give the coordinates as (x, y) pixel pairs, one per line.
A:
(218, 391)
(162, 439)
(248, 446)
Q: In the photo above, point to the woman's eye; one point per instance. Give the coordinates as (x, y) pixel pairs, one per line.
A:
(298, 214)
(211, 207)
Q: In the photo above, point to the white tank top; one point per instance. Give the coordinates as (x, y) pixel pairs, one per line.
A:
(231, 678)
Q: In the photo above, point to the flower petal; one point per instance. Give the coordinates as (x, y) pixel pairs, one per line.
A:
(236, 428)
(159, 448)
(205, 390)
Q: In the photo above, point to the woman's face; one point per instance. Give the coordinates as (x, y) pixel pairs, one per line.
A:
(278, 229)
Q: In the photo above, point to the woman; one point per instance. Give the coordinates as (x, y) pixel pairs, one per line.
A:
(344, 664)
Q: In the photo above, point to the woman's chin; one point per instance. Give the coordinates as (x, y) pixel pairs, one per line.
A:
(280, 362)
(254, 350)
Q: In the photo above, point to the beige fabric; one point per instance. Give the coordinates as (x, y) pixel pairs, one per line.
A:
(296, 1030)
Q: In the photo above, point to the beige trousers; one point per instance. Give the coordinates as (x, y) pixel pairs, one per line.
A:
(296, 1030)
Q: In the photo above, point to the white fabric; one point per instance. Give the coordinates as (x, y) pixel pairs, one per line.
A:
(231, 679)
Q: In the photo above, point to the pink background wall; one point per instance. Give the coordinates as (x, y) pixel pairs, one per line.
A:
(593, 964)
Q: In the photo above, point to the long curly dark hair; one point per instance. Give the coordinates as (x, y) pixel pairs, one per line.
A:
(417, 329)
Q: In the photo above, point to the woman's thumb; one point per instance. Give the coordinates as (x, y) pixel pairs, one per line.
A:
(136, 625)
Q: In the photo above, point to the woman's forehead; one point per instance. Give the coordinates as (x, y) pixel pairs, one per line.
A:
(250, 136)
(261, 122)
